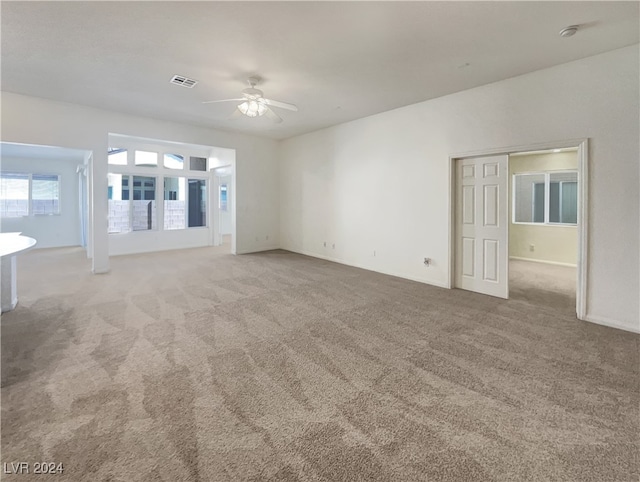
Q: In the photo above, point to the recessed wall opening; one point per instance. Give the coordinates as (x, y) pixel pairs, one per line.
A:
(519, 224)
(43, 194)
(221, 197)
(165, 195)
(543, 227)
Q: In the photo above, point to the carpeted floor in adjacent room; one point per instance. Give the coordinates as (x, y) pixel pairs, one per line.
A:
(200, 366)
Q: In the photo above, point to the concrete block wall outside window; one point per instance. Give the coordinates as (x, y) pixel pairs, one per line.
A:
(174, 214)
(141, 221)
(118, 216)
(14, 208)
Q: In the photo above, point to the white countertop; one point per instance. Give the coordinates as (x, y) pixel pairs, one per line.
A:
(13, 243)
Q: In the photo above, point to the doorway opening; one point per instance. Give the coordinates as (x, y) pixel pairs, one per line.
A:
(43, 194)
(223, 205)
(518, 225)
(543, 227)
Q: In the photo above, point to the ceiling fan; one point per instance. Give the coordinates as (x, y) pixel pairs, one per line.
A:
(254, 104)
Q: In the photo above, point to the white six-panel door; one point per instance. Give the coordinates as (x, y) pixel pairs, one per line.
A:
(482, 225)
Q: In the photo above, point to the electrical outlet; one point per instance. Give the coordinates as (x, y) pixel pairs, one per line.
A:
(532, 247)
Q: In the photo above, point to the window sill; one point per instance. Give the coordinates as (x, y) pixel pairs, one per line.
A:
(30, 216)
(159, 230)
(545, 224)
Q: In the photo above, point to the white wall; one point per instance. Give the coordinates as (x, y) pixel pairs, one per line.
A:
(49, 231)
(34, 120)
(157, 240)
(382, 183)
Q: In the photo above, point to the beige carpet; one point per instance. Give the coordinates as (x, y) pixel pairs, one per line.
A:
(202, 366)
(544, 284)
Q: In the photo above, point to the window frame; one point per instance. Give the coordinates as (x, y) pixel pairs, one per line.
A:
(160, 172)
(30, 212)
(185, 220)
(207, 205)
(173, 152)
(223, 204)
(547, 196)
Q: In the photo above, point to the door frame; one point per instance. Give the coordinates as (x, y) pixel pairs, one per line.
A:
(216, 237)
(583, 208)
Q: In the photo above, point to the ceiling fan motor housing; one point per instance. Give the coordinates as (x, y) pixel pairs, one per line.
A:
(252, 93)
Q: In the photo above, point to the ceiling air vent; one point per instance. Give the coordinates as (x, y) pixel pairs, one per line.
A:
(183, 81)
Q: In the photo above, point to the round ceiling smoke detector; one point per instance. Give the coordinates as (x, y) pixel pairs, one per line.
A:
(569, 31)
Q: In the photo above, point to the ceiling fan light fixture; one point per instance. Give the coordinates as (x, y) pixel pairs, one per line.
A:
(254, 104)
(252, 108)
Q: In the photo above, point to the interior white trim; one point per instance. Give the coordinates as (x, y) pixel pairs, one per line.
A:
(599, 320)
(269, 247)
(583, 228)
(583, 206)
(215, 236)
(368, 268)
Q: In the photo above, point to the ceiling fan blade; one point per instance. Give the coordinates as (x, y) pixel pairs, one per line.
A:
(282, 105)
(236, 115)
(223, 100)
(273, 116)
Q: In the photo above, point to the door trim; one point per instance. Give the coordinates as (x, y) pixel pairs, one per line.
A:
(214, 201)
(583, 207)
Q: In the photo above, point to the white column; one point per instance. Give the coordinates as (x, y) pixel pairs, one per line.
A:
(100, 209)
(8, 283)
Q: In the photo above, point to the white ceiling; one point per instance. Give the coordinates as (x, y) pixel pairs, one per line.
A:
(337, 61)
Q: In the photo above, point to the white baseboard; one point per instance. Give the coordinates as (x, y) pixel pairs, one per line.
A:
(257, 249)
(368, 268)
(555, 263)
(599, 320)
